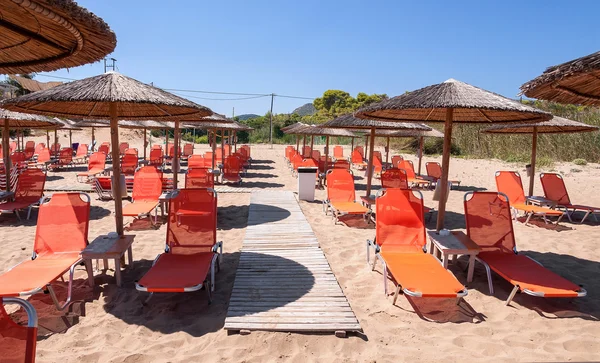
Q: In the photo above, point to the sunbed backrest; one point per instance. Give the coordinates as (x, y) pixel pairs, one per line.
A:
(196, 161)
(131, 151)
(156, 156)
(188, 149)
(434, 170)
(41, 146)
(489, 223)
(509, 183)
(338, 151)
(17, 157)
(199, 177)
(66, 155)
(62, 224)
(340, 186)
(17, 342)
(55, 148)
(554, 188)
(232, 165)
(97, 161)
(306, 151)
(103, 149)
(396, 159)
(357, 158)
(227, 148)
(400, 219)
(360, 150)
(29, 152)
(377, 154)
(245, 152)
(30, 145)
(43, 155)
(192, 225)
(128, 164)
(82, 150)
(147, 184)
(30, 185)
(341, 164)
(123, 147)
(316, 154)
(407, 165)
(394, 178)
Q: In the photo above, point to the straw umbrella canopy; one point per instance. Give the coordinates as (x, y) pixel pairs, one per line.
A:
(110, 95)
(574, 82)
(216, 122)
(449, 102)
(18, 120)
(45, 35)
(557, 125)
(317, 130)
(351, 122)
(290, 130)
(66, 125)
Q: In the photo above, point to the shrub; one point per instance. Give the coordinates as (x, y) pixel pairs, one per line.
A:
(580, 162)
(202, 139)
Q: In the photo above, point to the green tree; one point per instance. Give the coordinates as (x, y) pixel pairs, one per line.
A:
(334, 103)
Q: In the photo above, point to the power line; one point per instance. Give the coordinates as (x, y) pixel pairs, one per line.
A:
(217, 93)
(220, 99)
(57, 77)
(298, 97)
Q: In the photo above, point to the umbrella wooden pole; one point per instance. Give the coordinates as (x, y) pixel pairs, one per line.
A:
(48, 139)
(533, 157)
(93, 139)
(6, 153)
(387, 151)
(214, 147)
(223, 146)
(114, 140)
(55, 141)
(235, 141)
(366, 147)
(145, 143)
(326, 153)
(175, 162)
(312, 142)
(297, 143)
(445, 167)
(70, 138)
(167, 142)
(370, 161)
(303, 145)
(420, 153)
(351, 147)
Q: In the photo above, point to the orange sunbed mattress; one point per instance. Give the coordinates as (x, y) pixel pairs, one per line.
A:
(349, 207)
(421, 272)
(34, 274)
(137, 208)
(521, 270)
(536, 209)
(173, 273)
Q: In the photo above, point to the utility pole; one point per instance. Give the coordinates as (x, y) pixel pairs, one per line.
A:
(106, 65)
(233, 113)
(271, 121)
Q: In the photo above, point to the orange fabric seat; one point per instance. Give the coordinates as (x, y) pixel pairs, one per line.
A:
(527, 274)
(139, 208)
(421, 273)
(349, 207)
(174, 273)
(536, 209)
(33, 275)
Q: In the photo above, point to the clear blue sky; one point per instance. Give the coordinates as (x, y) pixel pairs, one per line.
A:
(302, 48)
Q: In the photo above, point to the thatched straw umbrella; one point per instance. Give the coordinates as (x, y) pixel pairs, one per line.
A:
(18, 120)
(290, 130)
(67, 125)
(93, 124)
(574, 82)
(557, 125)
(45, 35)
(348, 121)
(420, 135)
(317, 130)
(449, 102)
(110, 95)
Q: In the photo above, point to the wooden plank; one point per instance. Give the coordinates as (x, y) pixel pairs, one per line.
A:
(283, 281)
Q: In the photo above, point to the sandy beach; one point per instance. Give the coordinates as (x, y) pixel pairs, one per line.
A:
(109, 324)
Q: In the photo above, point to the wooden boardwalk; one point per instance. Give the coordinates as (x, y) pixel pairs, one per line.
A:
(283, 281)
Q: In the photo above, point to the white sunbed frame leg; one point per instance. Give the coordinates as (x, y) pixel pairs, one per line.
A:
(582, 219)
(512, 294)
(398, 287)
(489, 274)
(70, 290)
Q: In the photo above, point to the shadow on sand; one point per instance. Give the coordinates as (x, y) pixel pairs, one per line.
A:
(191, 312)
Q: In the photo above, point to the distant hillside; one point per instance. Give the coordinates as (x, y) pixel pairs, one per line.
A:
(247, 116)
(305, 110)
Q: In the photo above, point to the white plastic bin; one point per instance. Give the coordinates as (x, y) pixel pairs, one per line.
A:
(123, 187)
(307, 177)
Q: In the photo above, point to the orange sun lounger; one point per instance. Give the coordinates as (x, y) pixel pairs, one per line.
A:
(509, 183)
(489, 225)
(338, 152)
(17, 342)
(232, 168)
(413, 178)
(434, 171)
(61, 235)
(29, 191)
(341, 197)
(394, 178)
(400, 245)
(192, 251)
(96, 165)
(555, 190)
(357, 160)
(147, 188)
